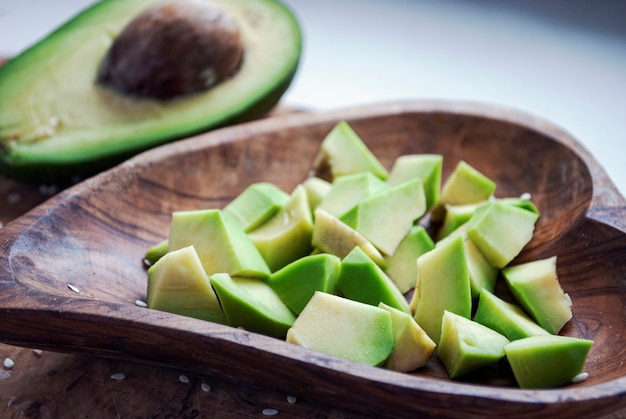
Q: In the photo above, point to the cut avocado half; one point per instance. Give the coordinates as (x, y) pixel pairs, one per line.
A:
(58, 120)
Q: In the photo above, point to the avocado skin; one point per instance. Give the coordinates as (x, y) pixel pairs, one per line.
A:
(28, 169)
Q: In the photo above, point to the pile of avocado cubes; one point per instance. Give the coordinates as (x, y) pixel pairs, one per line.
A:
(329, 267)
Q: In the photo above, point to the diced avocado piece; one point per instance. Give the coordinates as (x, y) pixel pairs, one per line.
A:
(296, 283)
(466, 345)
(316, 190)
(256, 204)
(536, 287)
(178, 284)
(220, 242)
(331, 235)
(482, 274)
(521, 202)
(505, 318)
(465, 185)
(501, 231)
(343, 152)
(347, 191)
(156, 252)
(547, 361)
(58, 120)
(455, 216)
(361, 279)
(386, 217)
(402, 265)
(412, 347)
(287, 235)
(344, 328)
(443, 284)
(252, 304)
(427, 167)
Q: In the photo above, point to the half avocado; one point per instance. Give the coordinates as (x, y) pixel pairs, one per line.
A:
(59, 117)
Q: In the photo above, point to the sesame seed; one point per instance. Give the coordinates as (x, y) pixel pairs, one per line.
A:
(140, 303)
(38, 352)
(118, 376)
(73, 288)
(12, 400)
(183, 378)
(270, 412)
(291, 399)
(205, 387)
(8, 363)
(525, 196)
(580, 377)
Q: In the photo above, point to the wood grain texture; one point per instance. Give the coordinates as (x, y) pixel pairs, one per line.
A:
(94, 234)
(56, 385)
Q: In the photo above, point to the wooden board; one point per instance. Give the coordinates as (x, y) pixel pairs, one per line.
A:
(53, 385)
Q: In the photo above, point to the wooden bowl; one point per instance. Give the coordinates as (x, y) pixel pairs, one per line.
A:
(92, 238)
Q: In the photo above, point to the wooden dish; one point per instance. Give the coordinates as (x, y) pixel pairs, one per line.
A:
(92, 238)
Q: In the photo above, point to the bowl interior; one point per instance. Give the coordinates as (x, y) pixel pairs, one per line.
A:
(95, 235)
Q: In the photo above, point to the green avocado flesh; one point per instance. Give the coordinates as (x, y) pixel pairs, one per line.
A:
(332, 265)
(56, 121)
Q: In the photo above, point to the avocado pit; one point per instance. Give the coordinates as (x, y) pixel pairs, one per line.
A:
(173, 49)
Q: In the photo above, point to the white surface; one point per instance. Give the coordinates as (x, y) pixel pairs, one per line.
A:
(564, 60)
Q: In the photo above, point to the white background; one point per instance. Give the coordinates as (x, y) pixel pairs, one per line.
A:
(564, 60)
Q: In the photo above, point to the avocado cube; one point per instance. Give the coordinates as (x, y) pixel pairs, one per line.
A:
(177, 283)
(547, 361)
(455, 216)
(386, 217)
(344, 328)
(501, 231)
(316, 190)
(506, 318)
(465, 345)
(220, 242)
(360, 279)
(520, 202)
(296, 283)
(251, 304)
(412, 347)
(256, 204)
(402, 265)
(427, 167)
(343, 152)
(287, 235)
(465, 185)
(347, 191)
(443, 284)
(331, 235)
(482, 274)
(536, 287)
(155, 252)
